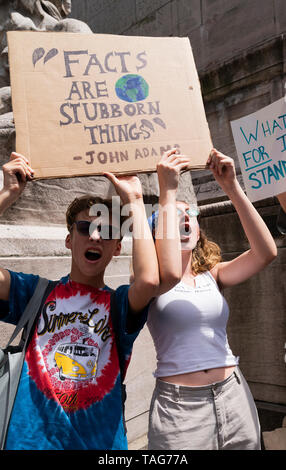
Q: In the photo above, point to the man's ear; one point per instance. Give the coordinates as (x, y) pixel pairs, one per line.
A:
(68, 241)
(117, 249)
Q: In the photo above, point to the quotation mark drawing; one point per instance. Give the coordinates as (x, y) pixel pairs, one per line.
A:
(145, 123)
(40, 52)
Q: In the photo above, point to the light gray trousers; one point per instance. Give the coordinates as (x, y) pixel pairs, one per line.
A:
(220, 416)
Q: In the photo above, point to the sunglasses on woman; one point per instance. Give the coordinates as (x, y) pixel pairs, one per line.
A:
(192, 212)
(106, 232)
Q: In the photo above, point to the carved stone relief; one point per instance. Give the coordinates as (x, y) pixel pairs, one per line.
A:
(42, 201)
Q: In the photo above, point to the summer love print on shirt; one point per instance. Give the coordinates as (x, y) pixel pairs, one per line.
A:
(70, 394)
(69, 357)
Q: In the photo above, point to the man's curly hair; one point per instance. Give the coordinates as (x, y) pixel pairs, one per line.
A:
(83, 203)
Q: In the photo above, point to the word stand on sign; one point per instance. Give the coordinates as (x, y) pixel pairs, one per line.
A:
(89, 103)
(260, 140)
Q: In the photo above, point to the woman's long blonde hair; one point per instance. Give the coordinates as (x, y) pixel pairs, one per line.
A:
(205, 255)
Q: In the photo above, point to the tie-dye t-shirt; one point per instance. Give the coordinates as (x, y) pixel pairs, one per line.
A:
(69, 395)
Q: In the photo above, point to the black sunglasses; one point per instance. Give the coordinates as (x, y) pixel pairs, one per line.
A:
(106, 232)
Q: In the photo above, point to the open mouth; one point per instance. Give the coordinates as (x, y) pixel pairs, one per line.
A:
(92, 255)
(185, 231)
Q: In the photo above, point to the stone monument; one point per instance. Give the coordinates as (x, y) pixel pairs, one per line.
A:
(32, 231)
(43, 202)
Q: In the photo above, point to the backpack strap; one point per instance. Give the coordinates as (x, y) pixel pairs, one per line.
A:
(28, 332)
(31, 310)
(26, 322)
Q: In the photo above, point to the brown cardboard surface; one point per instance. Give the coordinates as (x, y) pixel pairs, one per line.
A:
(85, 104)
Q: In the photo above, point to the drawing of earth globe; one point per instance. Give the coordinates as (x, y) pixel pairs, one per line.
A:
(132, 88)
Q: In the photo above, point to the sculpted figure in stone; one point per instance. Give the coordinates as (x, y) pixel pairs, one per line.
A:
(27, 15)
(33, 15)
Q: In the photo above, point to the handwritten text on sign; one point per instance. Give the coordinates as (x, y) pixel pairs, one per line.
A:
(260, 140)
(86, 104)
(78, 109)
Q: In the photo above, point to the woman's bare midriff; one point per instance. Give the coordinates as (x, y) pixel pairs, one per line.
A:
(202, 377)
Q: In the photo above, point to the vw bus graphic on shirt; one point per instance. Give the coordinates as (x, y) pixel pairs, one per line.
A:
(76, 361)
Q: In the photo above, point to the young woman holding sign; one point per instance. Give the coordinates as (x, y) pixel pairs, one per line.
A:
(201, 400)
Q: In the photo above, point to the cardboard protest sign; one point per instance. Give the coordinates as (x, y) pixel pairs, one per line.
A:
(260, 140)
(89, 103)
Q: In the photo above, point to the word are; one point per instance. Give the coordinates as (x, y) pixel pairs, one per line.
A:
(83, 63)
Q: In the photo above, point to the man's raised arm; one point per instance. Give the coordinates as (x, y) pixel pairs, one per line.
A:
(16, 173)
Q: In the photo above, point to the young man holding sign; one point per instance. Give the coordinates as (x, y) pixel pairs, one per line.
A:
(69, 395)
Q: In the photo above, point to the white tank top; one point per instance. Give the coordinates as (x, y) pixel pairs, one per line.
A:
(188, 327)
